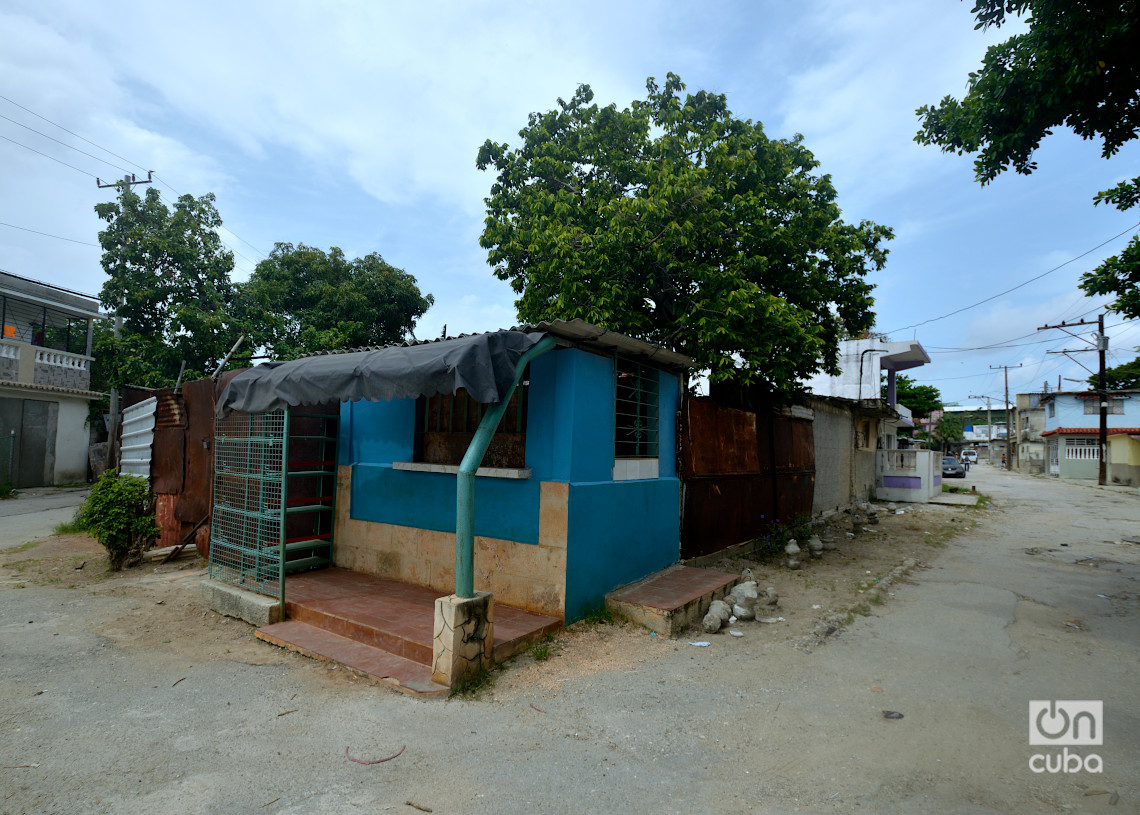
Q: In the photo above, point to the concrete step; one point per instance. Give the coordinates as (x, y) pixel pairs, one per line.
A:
(403, 674)
(402, 637)
(671, 600)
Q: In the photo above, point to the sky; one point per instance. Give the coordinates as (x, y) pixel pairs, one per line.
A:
(357, 124)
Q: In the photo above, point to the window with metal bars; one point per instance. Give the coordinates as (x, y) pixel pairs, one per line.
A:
(446, 423)
(1115, 407)
(636, 410)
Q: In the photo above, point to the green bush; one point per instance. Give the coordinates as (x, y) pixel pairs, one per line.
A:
(120, 512)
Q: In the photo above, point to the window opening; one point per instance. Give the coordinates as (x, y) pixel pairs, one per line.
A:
(636, 418)
(446, 423)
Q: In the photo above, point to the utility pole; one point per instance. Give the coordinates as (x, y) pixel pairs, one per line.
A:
(1008, 443)
(127, 182)
(1101, 346)
(1102, 397)
(989, 428)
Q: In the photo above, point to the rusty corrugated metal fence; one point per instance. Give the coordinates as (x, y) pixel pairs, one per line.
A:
(741, 470)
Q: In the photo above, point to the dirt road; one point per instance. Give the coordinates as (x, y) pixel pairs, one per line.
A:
(115, 703)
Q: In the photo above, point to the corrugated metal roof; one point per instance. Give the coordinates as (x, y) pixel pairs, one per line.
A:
(30, 386)
(569, 332)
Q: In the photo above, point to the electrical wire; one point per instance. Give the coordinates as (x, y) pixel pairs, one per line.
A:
(45, 155)
(71, 132)
(1019, 285)
(97, 158)
(65, 144)
(48, 234)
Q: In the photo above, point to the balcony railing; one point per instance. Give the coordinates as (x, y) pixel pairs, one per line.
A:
(47, 356)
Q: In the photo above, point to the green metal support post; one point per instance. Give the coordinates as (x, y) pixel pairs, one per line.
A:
(465, 480)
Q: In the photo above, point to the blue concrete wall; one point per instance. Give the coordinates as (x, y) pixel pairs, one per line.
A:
(506, 509)
(617, 532)
(1070, 412)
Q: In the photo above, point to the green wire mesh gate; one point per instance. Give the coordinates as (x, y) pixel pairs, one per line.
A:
(274, 496)
(246, 529)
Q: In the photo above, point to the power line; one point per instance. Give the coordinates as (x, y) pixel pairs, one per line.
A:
(45, 155)
(1019, 285)
(49, 235)
(73, 133)
(65, 144)
(97, 158)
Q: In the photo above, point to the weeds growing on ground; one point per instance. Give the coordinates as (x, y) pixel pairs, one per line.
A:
(473, 685)
(599, 615)
(772, 542)
(75, 525)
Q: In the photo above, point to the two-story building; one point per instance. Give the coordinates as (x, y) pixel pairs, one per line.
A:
(1028, 448)
(45, 379)
(1072, 429)
(898, 475)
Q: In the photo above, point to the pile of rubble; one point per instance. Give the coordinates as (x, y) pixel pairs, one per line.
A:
(744, 602)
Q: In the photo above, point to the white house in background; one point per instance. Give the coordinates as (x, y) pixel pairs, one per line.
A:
(861, 365)
(45, 376)
(900, 475)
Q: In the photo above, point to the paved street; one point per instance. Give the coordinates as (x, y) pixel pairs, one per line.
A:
(33, 513)
(107, 710)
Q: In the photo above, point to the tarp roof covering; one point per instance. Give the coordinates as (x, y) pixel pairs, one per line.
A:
(481, 364)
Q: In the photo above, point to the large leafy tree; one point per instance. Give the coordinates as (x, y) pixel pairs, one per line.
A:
(674, 221)
(921, 399)
(302, 299)
(168, 277)
(1075, 66)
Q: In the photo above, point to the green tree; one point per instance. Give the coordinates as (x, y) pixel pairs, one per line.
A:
(1075, 66)
(674, 221)
(169, 280)
(921, 399)
(949, 429)
(302, 299)
(1122, 377)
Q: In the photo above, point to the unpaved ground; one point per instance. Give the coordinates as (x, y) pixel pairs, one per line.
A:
(122, 694)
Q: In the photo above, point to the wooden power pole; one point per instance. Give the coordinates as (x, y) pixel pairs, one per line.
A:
(1008, 443)
(126, 183)
(1101, 346)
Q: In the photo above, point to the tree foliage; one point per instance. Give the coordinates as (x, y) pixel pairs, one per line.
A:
(169, 280)
(674, 221)
(303, 299)
(921, 399)
(1122, 377)
(949, 428)
(1075, 67)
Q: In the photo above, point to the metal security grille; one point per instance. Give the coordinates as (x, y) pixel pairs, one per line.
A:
(636, 410)
(247, 543)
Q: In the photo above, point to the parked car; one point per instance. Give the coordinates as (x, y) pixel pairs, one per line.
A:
(952, 468)
(970, 455)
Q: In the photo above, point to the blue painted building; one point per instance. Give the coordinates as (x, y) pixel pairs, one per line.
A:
(580, 496)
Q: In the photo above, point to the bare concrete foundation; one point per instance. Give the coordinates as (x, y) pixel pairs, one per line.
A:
(464, 637)
(228, 599)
